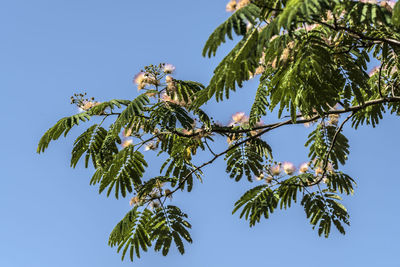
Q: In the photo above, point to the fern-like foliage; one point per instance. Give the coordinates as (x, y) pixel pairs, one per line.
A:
(132, 233)
(340, 182)
(123, 173)
(63, 126)
(258, 202)
(237, 23)
(312, 57)
(185, 90)
(134, 108)
(260, 104)
(170, 115)
(184, 171)
(90, 142)
(139, 230)
(323, 210)
(170, 224)
(109, 105)
(289, 188)
(296, 11)
(321, 139)
(150, 185)
(233, 70)
(321, 207)
(396, 15)
(243, 160)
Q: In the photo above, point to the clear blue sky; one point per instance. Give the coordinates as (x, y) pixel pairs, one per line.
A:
(50, 216)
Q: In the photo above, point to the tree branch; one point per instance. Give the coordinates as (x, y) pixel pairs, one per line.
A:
(231, 130)
(269, 127)
(360, 35)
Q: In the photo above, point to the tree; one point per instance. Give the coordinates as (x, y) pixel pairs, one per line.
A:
(311, 57)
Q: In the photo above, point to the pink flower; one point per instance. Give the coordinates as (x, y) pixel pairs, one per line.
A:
(259, 177)
(127, 142)
(275, 170)
(368, 1)
(134, 201)
(239, 118)
(310, 27)
(289, 168)
(319, 171)
(139, 78)
(168, 68)
(303, 167)
(231, 6)
(169, 79)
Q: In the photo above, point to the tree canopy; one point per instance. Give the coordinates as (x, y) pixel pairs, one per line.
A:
(310, 57)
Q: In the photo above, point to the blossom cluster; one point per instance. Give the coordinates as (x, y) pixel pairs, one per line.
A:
(153, 198)
(240, 119)
(152, 75)
(82, 102)
(278, 170)
(234, 5)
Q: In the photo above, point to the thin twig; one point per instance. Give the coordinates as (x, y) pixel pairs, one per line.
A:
(209, 148)
(379, 80)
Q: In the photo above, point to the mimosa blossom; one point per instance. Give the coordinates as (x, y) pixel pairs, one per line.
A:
(139, 78)
(318, 171)
(289, 168)
(333, 119)
(127, 142)
(168, 68)
(259, 177)
(134, 201)
(242, 3)
(169, 79)
(239, 118)
(275, 170)
(142, 79)
(303, 167)
(86, 105)
(231, 6)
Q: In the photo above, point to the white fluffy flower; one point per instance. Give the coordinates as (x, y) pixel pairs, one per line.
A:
(303, 167)
(289, 168)
(168, 68)
(275, 170)
(239, 118)
(127, 142)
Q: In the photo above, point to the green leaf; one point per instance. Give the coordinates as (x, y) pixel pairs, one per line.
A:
(236, 22)
(63, 126)
(257, 202)
(133, 231)
(396, 14)
(124, 172)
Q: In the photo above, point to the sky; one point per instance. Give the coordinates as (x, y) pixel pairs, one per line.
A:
(52, 217)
